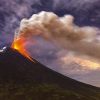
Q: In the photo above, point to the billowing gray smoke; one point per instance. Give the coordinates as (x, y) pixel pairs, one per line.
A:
(62, 31)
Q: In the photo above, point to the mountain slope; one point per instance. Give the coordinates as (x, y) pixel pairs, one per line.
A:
(19, 70)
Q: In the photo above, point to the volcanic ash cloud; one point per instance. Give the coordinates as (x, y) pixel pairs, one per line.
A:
(62, 31)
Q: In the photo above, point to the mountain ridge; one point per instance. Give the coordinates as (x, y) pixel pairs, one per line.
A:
(20, 70)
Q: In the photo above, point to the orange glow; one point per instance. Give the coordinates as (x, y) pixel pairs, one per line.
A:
(84, 63)
(18, 44)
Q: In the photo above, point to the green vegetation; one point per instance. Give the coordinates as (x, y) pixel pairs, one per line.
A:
(13, 91)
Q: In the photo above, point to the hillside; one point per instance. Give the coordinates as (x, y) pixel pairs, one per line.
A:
(22, 79)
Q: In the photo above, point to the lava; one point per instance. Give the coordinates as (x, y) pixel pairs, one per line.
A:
(19, 45)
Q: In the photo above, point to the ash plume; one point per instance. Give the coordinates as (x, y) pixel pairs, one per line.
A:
(62, 31)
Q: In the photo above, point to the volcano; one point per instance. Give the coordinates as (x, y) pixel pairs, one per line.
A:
(18, 69)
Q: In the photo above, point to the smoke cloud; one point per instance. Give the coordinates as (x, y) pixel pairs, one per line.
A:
(62, 31)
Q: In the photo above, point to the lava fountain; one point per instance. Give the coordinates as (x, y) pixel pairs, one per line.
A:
(19, 45)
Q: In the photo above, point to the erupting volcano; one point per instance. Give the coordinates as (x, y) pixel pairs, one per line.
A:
(19, 45)
(17, 68)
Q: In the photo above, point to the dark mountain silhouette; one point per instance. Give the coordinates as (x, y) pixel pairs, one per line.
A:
(18, 69)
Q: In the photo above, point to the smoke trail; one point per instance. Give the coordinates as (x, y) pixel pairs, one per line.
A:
(61, 30)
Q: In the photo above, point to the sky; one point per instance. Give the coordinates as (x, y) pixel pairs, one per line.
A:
(85, 13)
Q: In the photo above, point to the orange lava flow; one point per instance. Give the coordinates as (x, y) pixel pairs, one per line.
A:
(18, 44)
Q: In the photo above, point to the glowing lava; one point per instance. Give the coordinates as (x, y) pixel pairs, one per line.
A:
(18, 44)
